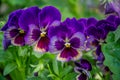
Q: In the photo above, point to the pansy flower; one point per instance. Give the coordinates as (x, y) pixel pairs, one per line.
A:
(100, 29)
(89, 24)
(97, 33)
(67, 40)
(12, 30)
(109, 24)
(8, 32)
(83, 67)
(38, 23)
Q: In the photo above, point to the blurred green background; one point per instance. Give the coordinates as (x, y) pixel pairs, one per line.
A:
(68, 8)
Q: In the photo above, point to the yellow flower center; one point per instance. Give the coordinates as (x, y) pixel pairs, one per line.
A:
(21, 31)
(67, 45)
(43, 34)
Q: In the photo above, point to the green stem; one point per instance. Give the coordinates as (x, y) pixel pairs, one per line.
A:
(28, 56)
(50, 71)
(20, 71)
(17, 75)
(98, 71)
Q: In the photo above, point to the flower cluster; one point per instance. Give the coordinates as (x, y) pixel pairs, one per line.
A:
(44, 30)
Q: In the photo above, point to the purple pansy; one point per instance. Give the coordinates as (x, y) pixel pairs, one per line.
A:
(38, 22)
(67, 40)
(109, 24)
(89, 30)
(12, 29)
(102, 27)
(83, 67)
(97, 32)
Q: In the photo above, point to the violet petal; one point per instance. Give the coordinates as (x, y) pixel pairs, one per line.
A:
(48, 15)
(29, 17)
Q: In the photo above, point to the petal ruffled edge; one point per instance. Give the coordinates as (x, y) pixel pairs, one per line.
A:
(29, 17)
(48, 15)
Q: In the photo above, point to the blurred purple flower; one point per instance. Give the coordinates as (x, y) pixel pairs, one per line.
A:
(38, 23)
(112, 6)
(67, 39)
(109, 24)
(109, 8)
(83, 67)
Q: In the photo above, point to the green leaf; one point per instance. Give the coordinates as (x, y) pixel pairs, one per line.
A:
(113, 63)
(9, 68)
(44, 75)
(117, 34)
(38, 67)
(110, 37)
(116, 76)
(111, 51)
(48, 56)
(65, 71)
(2, 56)
(22, 50)
(2, 77)
(37, 55)
(55, 66)
(70, 76)
(35, 78)
(17, 2)
(51, 75)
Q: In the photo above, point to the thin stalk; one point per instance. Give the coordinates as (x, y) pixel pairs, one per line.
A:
(98, 71)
